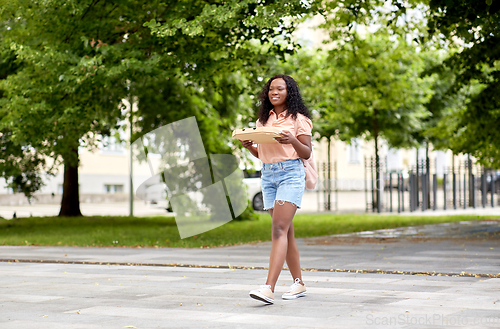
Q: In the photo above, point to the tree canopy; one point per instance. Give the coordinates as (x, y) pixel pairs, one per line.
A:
(473, 128)
(66, 66)
(77, 60)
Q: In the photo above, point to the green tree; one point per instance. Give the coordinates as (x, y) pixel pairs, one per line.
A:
(317, 78)
(369, 87)
(21, 166)
(79, 59)
(380, 94)
(473, 25)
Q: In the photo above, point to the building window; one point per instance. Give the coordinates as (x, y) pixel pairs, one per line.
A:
(354, 151)
(108, 188)
(111, 145)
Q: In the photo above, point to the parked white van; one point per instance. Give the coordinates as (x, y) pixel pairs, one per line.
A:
(252, 180)
(157, 195)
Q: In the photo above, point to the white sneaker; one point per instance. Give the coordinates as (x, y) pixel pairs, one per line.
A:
(264, 294)
(296, 290)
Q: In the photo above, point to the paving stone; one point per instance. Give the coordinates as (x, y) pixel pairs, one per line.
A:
(51, 295)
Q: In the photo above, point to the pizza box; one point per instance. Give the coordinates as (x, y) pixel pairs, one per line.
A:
(260, 135)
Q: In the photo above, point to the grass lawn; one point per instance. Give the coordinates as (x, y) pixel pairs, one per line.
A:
(162, 231)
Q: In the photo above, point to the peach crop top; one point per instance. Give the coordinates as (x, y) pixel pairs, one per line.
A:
(271, 153)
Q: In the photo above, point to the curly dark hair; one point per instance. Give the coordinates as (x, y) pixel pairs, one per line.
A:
(294, 102)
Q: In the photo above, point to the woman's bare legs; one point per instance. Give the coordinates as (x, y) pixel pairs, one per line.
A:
(282, 216)
(292, 256)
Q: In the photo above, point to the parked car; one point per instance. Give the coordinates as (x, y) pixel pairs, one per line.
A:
(496, 182)
(252, 180)
(157, 195)
(405, 179)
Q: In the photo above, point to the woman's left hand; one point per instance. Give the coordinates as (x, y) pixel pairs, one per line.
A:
(286, 137)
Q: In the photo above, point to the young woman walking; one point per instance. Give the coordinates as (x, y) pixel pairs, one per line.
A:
(283, 177)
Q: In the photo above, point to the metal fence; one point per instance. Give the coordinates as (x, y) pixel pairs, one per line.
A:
(419, 187)
(326, 186)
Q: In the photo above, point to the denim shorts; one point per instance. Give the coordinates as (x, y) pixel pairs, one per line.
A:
(283, 181)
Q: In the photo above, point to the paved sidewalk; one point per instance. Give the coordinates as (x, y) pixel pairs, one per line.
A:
(451, 278)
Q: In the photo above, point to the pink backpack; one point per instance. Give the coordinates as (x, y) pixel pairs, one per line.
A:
(310, 167)
(311, 172)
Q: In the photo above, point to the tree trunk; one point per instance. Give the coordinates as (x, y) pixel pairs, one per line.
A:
(428, 172)
(70, 204)
(417, 173)
(378, 182)
(471, 182)
(329, 187)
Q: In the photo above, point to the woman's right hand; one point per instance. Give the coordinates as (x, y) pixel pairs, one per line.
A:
(246, 144)
(249, 146)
